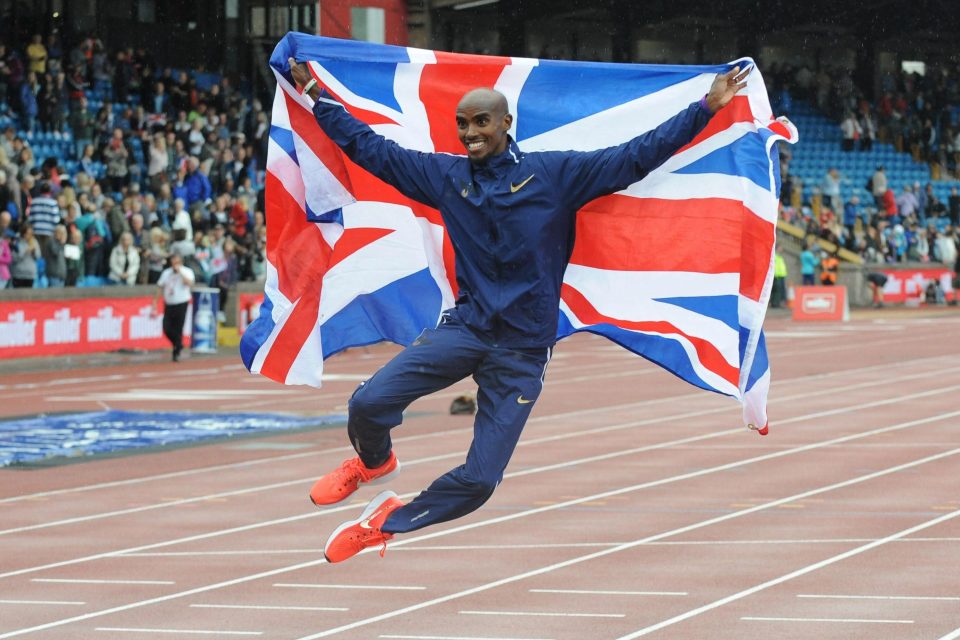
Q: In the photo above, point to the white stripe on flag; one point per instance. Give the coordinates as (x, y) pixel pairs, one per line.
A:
(623, 122)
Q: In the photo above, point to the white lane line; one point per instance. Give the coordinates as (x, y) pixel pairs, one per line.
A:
(91, 581)
(267, 607)
(851, 597)
(594, 545)
(551, 614)
(198, 632)
(294, 456)
(611, 593)
(387, 587)
(790, 576)
(513, 516)
(244, 552)
(532, 441)
(953, 635)
(57, 602)
(504, 547)
(404, 637)
(605, 552)
(856, 620)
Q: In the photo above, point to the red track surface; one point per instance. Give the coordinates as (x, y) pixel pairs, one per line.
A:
(634, 505)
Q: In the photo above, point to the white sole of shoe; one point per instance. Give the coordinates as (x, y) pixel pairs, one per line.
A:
(368, 511)
(386, 478)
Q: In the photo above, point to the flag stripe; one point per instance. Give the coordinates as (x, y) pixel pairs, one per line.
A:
(709, 355)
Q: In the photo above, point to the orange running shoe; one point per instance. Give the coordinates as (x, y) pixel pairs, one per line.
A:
(353, 536)
(340, 483)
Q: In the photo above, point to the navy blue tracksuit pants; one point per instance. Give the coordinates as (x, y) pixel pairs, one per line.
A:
(509, 382)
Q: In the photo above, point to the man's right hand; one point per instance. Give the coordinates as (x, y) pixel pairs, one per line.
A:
(301, 76)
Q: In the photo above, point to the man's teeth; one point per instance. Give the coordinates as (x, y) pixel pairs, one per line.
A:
(474, 146)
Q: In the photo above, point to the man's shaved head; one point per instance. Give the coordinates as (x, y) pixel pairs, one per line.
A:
(483, 123)
(486, 99)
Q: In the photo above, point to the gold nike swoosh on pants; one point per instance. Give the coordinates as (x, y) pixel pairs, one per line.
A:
(516, 187)
(522, 400)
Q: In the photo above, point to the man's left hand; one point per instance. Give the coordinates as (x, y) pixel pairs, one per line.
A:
(725, 86)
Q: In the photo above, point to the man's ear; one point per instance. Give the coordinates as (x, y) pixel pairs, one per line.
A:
(508, 121)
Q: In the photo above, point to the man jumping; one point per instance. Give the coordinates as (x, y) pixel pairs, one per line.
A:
(511, 218)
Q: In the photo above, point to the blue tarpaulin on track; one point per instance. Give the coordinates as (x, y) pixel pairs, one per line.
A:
(34, 439)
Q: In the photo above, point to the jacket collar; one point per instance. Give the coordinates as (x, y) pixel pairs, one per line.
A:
(509, 157)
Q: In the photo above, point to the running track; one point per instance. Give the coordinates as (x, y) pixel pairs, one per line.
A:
(635, 506)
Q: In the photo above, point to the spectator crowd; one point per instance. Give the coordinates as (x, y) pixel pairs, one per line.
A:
(917, 114)
(109, 164)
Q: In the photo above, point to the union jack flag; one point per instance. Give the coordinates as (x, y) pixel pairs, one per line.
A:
(676, 268)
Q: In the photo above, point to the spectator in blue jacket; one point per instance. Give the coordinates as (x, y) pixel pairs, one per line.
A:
(196, 184)
(512, 248)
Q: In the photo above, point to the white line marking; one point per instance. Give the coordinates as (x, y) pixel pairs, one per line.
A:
(190, 631)
(512, 516)
(598, 554)
(611, 593)
(395, 637)
(268, 607)
(555, 614)
(590, 545)
(41, 602)
(245, 552)
(860, 620)
(84, 581)
(274, 459)
(847, 597)
(953, 635)
(388, 587)
(793, 574)
(458, 454)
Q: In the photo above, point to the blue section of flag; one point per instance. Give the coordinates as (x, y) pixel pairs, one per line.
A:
(589, 88)
(747, 157)
(371, 80)
(760, 363)
(663, 351)
(722, 308)
(284, 139)
(336, 215)
(398, 312)
(257, 333)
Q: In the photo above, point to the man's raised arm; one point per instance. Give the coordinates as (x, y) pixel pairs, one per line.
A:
(415, 174)
(592, 174)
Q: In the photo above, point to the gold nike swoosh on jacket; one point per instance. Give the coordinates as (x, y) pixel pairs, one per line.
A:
(516, 187)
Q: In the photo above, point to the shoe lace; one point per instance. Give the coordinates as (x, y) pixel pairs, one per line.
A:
(352, 468)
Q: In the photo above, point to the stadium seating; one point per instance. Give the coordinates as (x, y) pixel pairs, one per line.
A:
(819, 150)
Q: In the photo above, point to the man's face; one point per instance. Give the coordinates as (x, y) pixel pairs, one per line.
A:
(482, 126)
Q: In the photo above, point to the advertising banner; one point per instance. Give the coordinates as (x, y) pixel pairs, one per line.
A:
(61, 327)
(910, 285)
(821, 303)
(206, 303)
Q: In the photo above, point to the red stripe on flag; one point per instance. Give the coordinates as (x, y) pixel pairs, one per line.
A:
(370, 117)
(443, 84)
(368, 188)
(780, 128)
(707, 353)
(353, 240)
(292, 336)
(700, 235)
(305, 125)
(294, 246)
(737, 111)
(756, 249)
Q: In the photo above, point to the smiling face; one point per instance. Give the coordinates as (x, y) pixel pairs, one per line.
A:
(483, 123)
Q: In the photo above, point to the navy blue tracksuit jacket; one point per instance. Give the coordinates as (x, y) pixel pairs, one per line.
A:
(511, 221)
